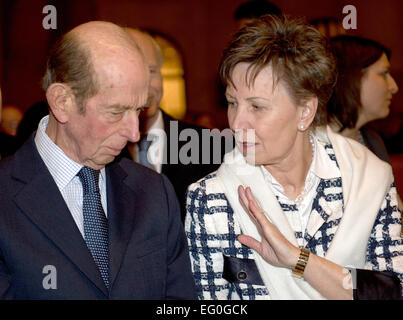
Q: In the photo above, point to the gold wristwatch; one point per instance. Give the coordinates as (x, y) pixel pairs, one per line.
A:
(301, 264)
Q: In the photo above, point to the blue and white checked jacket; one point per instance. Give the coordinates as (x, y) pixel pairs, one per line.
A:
(212, 235)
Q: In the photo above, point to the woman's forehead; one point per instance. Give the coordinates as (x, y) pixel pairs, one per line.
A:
(243, 78)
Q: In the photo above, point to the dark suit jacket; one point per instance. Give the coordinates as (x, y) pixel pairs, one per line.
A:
(148, 251)
(182, 175)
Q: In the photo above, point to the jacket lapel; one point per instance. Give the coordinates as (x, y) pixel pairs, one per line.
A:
(326, 207)
(41, 201)
(123, 208)
(167, 126)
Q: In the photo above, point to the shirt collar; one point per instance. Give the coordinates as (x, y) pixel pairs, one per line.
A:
(159, 123)
(61, 167)
(323, 166)
(156, 132)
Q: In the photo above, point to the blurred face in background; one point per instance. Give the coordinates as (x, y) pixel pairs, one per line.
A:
(377, 88)
(153, 59)
(11, 117)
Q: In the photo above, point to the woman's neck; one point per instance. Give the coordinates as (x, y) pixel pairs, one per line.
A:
(291, 172)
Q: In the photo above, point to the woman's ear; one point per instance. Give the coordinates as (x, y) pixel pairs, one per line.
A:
(307, 112)
(60, 99)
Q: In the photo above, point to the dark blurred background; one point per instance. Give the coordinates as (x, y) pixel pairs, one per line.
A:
(199, 29)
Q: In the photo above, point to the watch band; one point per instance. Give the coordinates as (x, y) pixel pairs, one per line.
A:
(299, 268)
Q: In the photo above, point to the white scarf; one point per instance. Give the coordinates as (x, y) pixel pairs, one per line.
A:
(365, 181)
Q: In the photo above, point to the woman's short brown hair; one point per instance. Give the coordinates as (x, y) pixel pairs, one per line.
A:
(297, 53)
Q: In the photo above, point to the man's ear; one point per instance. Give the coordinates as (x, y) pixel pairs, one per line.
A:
(307, 113)
(60, 99)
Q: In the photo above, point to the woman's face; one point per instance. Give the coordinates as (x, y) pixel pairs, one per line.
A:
(269, 112)
(377, 88)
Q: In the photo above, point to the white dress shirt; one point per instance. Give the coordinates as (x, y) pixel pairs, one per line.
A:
(157, 148)
(322, 167)
(64, 172)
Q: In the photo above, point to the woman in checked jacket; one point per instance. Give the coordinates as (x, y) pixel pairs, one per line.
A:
(295, 211)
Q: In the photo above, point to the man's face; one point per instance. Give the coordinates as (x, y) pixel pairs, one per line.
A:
(152, 58)
(111, 117)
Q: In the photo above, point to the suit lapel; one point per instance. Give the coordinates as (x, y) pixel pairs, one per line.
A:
(41, 201)
(123, 208)
(167, 119)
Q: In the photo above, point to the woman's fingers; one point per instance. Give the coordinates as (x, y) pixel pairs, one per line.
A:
(245, 202)
(242, 198)
(250, 242)
(257, 212)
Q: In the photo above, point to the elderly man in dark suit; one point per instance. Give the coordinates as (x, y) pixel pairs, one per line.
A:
(73, 223)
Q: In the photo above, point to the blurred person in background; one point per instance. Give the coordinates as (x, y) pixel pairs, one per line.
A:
(30, 120)
(363, 91)
(7, 142)
(328, 26)
(10, 119)
(158, 143)
(253, 9)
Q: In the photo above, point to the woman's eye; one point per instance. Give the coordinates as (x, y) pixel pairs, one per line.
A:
(231, 104)
(385, 73)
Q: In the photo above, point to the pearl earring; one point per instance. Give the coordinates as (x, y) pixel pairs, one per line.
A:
(302, 127)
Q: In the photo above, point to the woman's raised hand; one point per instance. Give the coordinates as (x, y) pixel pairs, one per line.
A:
(274, 247)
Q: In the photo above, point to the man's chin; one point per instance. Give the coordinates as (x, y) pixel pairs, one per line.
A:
(104, 160)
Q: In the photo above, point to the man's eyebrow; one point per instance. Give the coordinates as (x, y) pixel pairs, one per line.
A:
(118, 107)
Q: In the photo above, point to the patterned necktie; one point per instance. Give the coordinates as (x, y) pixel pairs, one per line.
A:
(95, 222)
(144, 144)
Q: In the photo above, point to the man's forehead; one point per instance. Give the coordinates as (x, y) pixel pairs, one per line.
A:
(104, 40)
(121, 69)
(147, 45)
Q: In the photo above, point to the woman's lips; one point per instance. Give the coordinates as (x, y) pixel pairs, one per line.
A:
(247, 145)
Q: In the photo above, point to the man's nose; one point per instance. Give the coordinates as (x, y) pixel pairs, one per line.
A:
(131, 127)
